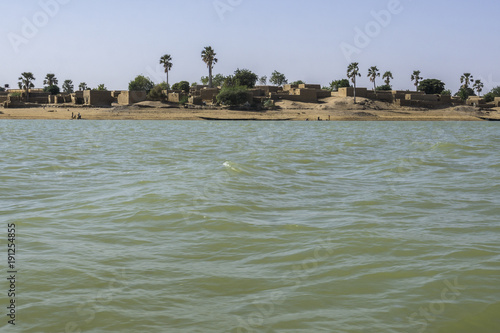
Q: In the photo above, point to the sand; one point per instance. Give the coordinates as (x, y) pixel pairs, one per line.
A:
(335, 109)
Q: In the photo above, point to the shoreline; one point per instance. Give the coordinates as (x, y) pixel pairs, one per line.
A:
(287, 111)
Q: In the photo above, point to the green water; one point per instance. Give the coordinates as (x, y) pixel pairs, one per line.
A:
(252, 227)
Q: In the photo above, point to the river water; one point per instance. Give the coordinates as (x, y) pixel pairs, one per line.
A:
(151, 226)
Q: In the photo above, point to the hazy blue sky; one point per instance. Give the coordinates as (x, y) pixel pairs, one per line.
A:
(112, 41)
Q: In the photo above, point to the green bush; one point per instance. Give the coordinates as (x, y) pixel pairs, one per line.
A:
(446, 92)
(385, 87)
(232, 96)
(156, 94)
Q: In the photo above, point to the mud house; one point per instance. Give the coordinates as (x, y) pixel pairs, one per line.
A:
(130, 97)
(98, 98)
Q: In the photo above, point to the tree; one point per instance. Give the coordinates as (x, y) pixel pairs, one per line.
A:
(263, 80)
(278, 79)
(446, 93)
(478, 86)
(183, 85)
(141, 83)
(372, 74)
(296, 83)
(431, 86)
(416, 77)
(83, 86)
(465, 93)
(26, 82)
(245, 77)
(53, 90)
(335, 85)
(208, 56)
(233, 96)
(50, 80)
(387, 78)
(166, 61)
(490, 97)
(466, 80)
(101, 87)
(353, 73)
(68, 86)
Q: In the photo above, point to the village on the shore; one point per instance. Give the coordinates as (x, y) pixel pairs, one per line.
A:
(242, 89)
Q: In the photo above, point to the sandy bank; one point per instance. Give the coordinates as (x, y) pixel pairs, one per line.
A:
(329, 109)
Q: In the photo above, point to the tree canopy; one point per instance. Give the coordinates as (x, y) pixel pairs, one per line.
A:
(141, 83)
(68, 86)
(431, 86)
(183, 85)
(245, 77)
(278, 79)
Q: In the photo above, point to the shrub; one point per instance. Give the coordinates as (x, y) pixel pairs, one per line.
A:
(156, 94)
(385, 87)
(446, 92)
(232, 96)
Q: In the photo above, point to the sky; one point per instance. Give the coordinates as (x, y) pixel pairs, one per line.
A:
(113, 41)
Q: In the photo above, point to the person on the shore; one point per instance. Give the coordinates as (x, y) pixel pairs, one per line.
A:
(79, 116)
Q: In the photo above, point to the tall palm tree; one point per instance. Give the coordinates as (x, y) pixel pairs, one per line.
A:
(166, 61)
(26, 82)
(353, 73)
(208, 56)
(372, 74)
(466, 79)
(82, 86)
(387, 77)
(50, 80)
(478, 86)
(416, 77)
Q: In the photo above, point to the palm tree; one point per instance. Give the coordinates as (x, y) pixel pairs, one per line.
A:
(416, 77)
(388, 77)
(166, 61)
(208, 57)
(82, 86)
(50, 80)
(478, 86)
(26, 82)
(372, 74)
(352, 73)
(466, 79)
(68, 86)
